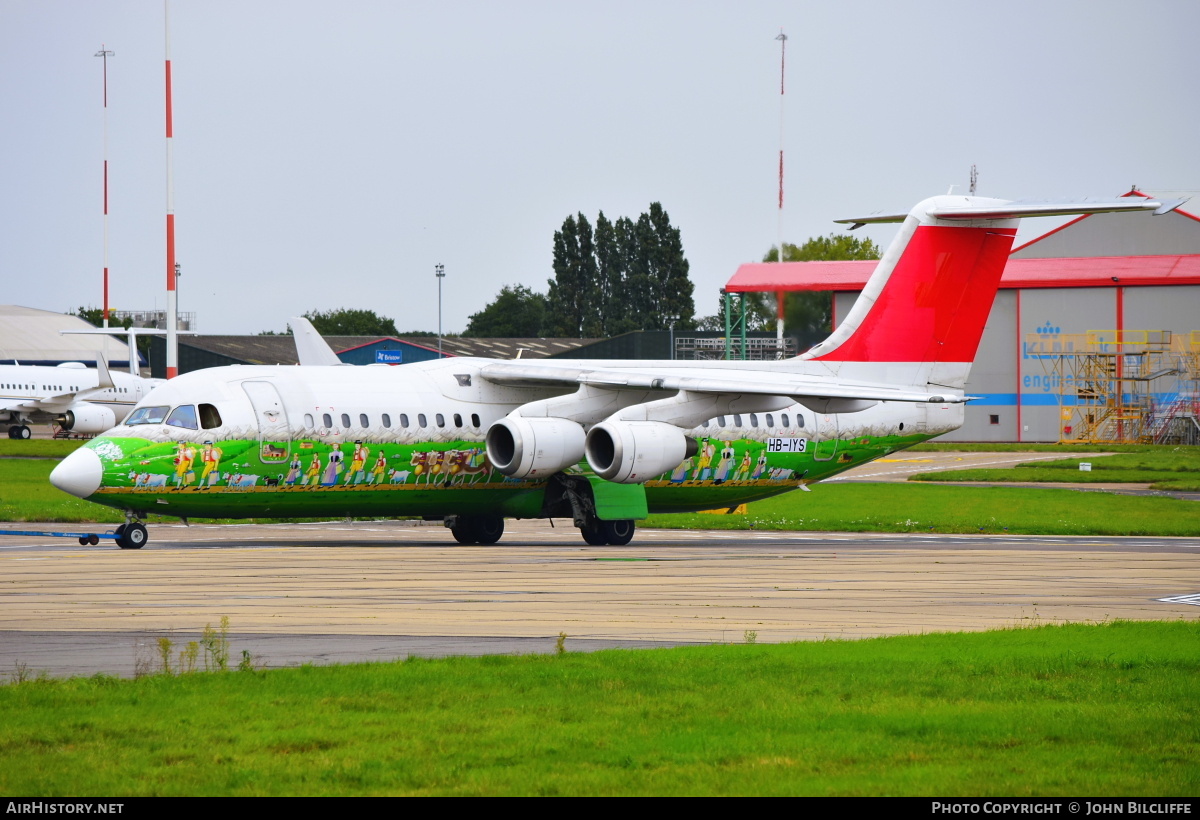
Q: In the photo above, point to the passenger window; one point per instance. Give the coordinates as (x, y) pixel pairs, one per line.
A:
(441, 420)
(404, 420)
(737, 420)
(421, 420)
(387, 420)
(799, 420)
(327, 419)
(720, 421)
(346, 420)
(770, 420)
(753, 420)
(308, 420)
(210, 417)
(457, 420)
(475, 420)
(784, 417)
(363, 422)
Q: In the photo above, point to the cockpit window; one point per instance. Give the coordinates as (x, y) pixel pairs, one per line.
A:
(183, 416)
(147, 415)
(210, 418)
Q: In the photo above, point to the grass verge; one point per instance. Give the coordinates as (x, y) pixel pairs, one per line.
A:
(1175, 468)
(887, 507)
(1054, 710)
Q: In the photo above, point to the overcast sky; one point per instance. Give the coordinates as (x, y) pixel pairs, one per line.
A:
(330, 154)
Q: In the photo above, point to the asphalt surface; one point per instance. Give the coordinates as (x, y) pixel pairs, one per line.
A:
(341, 592)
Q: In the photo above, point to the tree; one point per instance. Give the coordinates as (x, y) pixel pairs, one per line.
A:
(350, 322)
(626, 276)
(516, 313)
(574, 290)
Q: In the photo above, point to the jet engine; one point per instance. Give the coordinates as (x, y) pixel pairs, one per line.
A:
(533, 447)
(87, 419)
(631, 452)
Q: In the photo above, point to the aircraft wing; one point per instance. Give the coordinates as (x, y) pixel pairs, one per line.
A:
(46, 404)
(768, 384)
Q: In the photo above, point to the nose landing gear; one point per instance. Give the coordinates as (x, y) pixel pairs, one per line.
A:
(132, 535)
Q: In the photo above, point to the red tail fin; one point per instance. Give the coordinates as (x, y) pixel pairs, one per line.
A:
(936, 301)
(929, 298)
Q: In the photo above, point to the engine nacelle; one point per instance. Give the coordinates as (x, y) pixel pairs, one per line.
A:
(534, 447)
(631, 452)
(88, 419)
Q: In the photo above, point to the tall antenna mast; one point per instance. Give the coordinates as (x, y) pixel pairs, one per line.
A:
(105, 54)
(974, 179)
(779, 305)
(172, 303)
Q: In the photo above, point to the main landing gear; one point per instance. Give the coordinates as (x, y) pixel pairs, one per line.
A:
(612, 533)
(476, 529)
(19, 431)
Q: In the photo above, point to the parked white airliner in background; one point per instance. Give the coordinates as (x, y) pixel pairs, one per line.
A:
(77, 398)
(604, 443)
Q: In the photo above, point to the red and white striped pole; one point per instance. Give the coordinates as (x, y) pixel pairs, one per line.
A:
(172, 303)
(105, 54)
(779, 295)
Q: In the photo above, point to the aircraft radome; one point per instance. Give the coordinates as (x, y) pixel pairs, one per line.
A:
(77, 398)
(604, 443)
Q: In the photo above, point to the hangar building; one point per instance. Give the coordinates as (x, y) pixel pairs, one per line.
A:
(1094, 335)
(30, 336)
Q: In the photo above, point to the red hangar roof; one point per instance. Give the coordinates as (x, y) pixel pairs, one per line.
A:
(1095, 272)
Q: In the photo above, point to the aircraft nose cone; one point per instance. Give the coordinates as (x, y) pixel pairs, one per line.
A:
(79, 473)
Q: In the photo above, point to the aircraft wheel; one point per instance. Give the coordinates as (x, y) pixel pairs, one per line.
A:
(83, 540)
(12, 432)
(132, 536)
(20, 431)
(618, 533)
(488, 529)
(594, 535)
(464, 530)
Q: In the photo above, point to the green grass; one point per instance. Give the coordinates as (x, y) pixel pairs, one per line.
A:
(1168, 468)
(897, 507)
(1030, 447)
(26, 494)
(1058, 710)
(38, 447)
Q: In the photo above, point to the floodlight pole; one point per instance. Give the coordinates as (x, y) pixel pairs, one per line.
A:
(779, 295)
(105, 54)
(439, 270)
(172, 304)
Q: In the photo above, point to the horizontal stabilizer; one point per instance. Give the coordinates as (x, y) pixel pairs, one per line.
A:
(1016, 209)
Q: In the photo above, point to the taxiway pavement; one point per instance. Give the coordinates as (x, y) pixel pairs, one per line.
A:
(340, 592)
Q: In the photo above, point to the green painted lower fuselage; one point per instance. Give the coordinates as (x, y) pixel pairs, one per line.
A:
(304, 478)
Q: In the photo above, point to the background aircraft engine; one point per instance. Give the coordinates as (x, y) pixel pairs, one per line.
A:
(630, 452)
(523, 448)
(88, 419)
